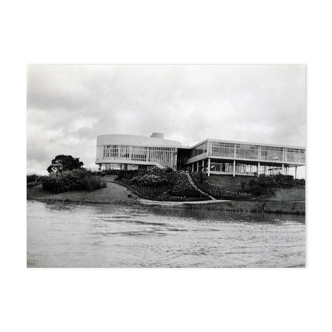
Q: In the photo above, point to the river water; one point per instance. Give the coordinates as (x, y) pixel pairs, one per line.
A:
(103, 235)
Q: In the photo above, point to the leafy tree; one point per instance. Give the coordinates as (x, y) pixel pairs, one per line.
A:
(64, 163)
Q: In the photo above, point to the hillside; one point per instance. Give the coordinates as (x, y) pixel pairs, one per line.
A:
(113, 193)
(231, 183)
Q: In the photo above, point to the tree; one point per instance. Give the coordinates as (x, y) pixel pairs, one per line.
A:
(64, 163)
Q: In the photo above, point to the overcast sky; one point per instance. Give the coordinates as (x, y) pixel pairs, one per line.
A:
(68, 106)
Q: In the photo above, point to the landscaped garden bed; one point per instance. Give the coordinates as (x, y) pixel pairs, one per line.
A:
(161, 184)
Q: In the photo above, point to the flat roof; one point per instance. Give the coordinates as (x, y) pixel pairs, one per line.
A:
(136, 140)
(162, 142)
(247, 143)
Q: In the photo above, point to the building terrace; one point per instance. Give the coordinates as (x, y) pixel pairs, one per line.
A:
(244, 158)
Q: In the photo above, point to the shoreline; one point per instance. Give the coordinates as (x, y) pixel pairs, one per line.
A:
(115, 193)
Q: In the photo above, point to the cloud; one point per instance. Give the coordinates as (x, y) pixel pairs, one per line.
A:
(69, 106)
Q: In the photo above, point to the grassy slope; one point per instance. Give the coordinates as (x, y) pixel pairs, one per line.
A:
(113, 193)
(231, 183)
(117, 194)
(228, 183)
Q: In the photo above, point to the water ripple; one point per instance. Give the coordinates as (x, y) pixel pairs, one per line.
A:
(69, 235)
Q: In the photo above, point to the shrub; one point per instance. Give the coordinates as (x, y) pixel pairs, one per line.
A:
(93, 183)
(258, 192)
(161, 184)
(34, 180)
(77, 179)
(128, 174)
(275, 181)
(110, 172)
(149, 180)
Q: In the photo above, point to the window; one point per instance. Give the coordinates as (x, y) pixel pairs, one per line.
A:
(111, 166)
(139, 153)
(124, 151)
(247, 151)
(222, 149)
(164, 156)
(272, 153)
(296, 155)
(199, 149)
(110, 151)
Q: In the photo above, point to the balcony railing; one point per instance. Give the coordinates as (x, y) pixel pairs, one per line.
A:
(271, 158)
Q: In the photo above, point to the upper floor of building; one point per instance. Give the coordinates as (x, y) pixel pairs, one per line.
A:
(169, 152)
(233, 150)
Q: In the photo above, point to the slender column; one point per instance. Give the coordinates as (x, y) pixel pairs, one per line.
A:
(198, 166)
(234, 168)
(209, 165)
(99, 153)
(285, 154)
(282, 169)
(295, 172)
(147, 154)
(258, 167)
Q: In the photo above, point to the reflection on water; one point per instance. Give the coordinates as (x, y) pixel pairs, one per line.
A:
(71, 235)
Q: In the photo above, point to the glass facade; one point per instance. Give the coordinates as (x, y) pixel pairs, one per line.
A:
(221, 149)
(247, 151)
(296, 155)
(249, 157)
(256, 152)
(139, 153)
(124, 151)
(110, 151)
(199, 149)
(163, 156)
(221, 167)
(272, 153)
(240, 168)
(111, 166)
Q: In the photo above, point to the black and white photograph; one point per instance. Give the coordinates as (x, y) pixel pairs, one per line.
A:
(166, 166)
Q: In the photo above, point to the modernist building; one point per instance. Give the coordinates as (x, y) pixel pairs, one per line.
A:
(215, 156)
(136, 152)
